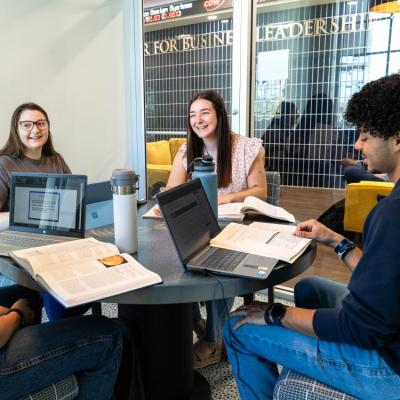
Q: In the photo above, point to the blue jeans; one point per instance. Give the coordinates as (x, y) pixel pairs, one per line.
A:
(216, 317)
(254, 352)
(39, 355)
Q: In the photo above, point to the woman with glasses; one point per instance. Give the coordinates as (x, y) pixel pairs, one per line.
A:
(240, 170)
(29, 148)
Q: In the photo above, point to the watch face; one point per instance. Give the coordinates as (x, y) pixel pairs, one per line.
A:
(277, 310)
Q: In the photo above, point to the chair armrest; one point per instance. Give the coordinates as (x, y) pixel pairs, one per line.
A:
(65, 389)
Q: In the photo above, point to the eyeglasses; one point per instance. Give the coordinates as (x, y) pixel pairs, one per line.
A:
(28, 125)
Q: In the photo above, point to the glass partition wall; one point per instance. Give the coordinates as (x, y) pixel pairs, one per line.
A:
(181, 57)
(308, 59)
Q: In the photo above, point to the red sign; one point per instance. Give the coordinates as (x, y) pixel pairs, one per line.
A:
(213, 5)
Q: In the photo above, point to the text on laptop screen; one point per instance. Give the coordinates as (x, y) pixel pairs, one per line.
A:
(190, 218)
(52, 202)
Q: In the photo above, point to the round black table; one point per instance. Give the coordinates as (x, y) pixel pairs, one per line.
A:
(162, 314)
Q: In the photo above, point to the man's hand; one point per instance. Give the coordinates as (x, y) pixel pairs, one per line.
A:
(312, 229)
(23, 306)
(252, 314)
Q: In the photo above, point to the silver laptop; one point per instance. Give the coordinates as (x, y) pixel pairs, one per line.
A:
(44, 209)
(192, 225)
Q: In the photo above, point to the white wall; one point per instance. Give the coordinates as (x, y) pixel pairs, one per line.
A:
(70, 57)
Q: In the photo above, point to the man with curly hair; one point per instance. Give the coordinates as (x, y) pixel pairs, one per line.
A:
(347, 338)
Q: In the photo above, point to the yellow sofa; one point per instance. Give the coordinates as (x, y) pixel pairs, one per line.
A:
(360, 198)
(160, 156)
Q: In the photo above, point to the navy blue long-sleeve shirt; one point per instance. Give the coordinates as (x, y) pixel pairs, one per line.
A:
(370, 314)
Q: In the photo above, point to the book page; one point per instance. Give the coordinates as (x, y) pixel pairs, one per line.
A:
(263, 239)
(153, 213)
(64, 254)
(94, 280)
(230, 211)
(253, 203)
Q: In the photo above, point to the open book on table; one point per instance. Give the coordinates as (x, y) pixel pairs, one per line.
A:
(262, 239)
(237, 211)
(84, 270)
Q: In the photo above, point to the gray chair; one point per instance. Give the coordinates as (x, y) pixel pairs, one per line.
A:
(293, 386)
(273, 197)
(66, 389)
(273, 187)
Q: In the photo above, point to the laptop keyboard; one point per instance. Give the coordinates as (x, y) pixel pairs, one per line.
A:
(224, 260)
(24, 242)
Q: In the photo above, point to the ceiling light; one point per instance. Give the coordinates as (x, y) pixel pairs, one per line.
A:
(384, 6)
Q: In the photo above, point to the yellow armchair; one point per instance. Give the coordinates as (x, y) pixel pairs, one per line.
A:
(360, 198)
(160, 156)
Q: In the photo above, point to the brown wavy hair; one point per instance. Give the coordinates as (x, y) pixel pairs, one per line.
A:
(195, 145)
(14, 147)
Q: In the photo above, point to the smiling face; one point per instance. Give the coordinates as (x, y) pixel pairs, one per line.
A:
(33, 138)
(379, 154)
(203, 119)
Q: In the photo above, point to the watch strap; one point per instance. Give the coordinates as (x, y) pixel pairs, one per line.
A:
(20, 313)
(274, 313)
(344, 247)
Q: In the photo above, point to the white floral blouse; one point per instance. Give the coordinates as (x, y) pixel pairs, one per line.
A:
(244, 152)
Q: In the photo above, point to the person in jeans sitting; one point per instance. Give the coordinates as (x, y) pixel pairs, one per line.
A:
(34, 356)
(348, 338)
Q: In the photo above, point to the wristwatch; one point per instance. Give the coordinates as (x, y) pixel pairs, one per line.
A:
(344, 247)
(274, 313)
(21, 315)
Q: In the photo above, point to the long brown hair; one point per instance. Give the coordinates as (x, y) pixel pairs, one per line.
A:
(14, 146)
(196, 145)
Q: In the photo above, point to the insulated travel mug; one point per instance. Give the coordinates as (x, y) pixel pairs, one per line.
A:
(123, 186)
(204, 169)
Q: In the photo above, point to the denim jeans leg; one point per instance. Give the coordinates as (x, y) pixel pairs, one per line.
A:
(39, 355)
(254, 351)
(316, 292)
(217, 314)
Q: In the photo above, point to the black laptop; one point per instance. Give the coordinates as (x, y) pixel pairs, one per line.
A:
(44, 209)
(192, 224)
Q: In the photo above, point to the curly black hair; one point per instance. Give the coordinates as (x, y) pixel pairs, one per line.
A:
(376, 107)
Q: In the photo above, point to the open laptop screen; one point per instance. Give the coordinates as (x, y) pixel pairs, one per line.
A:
(48, 203)
(190, 218)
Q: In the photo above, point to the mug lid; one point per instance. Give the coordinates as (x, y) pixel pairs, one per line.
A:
(124, 177)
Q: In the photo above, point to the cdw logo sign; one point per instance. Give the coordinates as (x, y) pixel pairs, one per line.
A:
(212, 5)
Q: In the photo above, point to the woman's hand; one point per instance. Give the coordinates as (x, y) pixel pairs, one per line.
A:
(226, 198)
(23, 306)
(157, 211)
(312, 229)
(252, 314)
(3, 310)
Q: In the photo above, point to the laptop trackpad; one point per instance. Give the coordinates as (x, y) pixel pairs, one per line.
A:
(262, 266)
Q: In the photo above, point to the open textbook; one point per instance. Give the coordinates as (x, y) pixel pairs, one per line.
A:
(236, 211)
(84, 270)
(262, 239)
